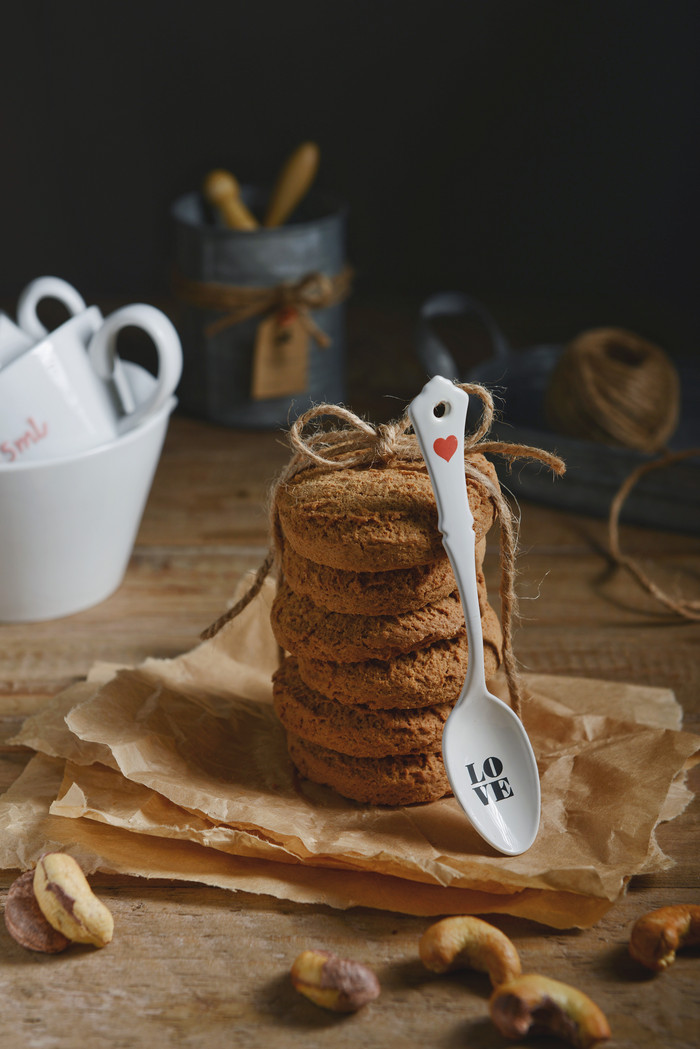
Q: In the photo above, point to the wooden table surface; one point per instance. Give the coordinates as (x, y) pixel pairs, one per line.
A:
(194, 966)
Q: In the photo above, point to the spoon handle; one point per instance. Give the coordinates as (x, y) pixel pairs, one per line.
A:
(293, 182)
(221, 189)
(441, 441)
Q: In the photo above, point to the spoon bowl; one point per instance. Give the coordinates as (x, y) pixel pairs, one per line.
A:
(488, 764)
(487, 753)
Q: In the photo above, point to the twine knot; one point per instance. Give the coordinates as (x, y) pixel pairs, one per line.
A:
(387, 441)
(314, 291)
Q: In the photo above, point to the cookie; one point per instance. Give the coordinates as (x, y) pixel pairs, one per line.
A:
(373, 519)
(371, 593)
(360, 731)
(405, 779)
(301, 627)
(430, 675)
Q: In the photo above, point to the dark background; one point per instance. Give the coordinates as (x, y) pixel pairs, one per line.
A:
(521, 151)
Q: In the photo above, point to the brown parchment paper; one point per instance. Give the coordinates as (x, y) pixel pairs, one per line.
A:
(187, 754)
(23, 810)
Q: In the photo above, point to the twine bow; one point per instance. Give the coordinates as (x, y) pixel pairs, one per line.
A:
(359, 443)
(314, 291)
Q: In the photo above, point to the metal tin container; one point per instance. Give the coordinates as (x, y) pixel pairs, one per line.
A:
(217, 371)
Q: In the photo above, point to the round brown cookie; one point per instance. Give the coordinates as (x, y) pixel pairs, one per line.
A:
(358, 730)
(430, 675)
(404, 779)
(372, 519)
(300, 626)
(371, 593)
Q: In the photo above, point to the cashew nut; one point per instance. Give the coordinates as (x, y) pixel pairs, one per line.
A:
(467, 942)
(68, 903)
(535, 1003)
(333, 982)
(657, 936)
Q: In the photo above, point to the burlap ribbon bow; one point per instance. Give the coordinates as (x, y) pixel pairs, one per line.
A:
(314, 291)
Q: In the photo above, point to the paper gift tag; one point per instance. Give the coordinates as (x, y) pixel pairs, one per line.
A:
(281, 356)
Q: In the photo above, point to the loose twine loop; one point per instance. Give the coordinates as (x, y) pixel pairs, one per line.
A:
(359, 444)
(315, 291)
(685, 607)
(615, 388)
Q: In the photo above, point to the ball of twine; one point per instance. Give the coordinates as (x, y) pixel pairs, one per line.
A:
(613, 387)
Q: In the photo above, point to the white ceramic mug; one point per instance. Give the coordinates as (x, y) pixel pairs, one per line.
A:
(13, 341)
(56, 398)
(61, 291)
(67, 526)
(46, 288)
(16, 338)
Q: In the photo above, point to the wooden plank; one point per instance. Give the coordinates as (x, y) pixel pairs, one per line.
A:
(168, 597)
(193, 966)
(211, 486)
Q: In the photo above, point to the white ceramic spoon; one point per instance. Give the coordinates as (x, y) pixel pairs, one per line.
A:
(488, 756)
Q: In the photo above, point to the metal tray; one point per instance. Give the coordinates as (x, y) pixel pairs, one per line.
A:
(667, 498)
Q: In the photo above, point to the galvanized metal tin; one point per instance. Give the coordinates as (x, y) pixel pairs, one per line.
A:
(217, 371)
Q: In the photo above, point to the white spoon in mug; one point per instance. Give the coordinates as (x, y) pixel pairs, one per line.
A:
(487, 753)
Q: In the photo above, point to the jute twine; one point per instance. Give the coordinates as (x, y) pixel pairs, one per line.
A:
(315, 291)
(361, 444)
(613, 387)
(687, 608)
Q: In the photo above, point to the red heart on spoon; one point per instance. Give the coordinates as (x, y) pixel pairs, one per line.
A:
(445, 447)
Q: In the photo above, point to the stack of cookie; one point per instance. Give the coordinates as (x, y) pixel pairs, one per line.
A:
(369, 616)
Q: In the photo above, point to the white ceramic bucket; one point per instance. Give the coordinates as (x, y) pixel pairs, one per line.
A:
(68, 525)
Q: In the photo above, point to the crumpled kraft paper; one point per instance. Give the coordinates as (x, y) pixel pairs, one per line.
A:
(28, 832)
(188, 754)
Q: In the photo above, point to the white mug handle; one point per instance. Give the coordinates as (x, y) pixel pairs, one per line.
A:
(46, 288)
(103, 354)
